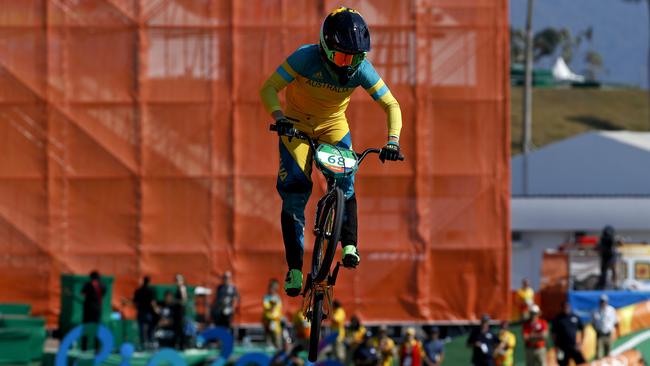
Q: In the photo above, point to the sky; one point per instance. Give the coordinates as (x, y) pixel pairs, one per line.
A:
(620, 33)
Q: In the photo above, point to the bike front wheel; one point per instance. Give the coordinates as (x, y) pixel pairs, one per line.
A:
(329, 232)
(316, 318)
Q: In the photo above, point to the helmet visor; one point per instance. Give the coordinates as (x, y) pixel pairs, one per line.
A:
(345, 59)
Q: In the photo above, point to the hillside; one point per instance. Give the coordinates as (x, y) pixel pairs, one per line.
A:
(562, 113)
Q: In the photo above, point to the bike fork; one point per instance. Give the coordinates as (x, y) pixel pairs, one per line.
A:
(319, 211)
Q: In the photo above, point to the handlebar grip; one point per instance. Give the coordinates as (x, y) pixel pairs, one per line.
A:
(400, 157)
(273, 127)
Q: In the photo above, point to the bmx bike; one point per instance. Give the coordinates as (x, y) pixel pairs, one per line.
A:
(335, 163)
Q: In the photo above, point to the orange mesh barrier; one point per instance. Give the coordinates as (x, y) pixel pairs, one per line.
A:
(133, 141)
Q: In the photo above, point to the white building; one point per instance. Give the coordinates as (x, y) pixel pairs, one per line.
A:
(579, 184)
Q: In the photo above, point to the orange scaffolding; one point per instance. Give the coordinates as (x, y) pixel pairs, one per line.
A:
(133, 141)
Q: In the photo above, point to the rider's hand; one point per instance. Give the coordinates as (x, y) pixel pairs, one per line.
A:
(389, 152)
(283, 126)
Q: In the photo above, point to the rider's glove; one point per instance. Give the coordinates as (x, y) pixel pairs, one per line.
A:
(284, 127)
(389, 152)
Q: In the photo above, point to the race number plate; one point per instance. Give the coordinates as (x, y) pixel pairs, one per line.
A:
(336, 161)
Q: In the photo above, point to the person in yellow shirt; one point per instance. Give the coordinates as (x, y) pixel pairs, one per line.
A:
(525, 299)
(504, 353)
(272, 315)
(337, 324)
(301, 327)
(355, 336)
(385, 346)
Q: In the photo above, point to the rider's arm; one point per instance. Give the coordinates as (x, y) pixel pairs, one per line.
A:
(390, 105)
(280, 78)
(379, 92)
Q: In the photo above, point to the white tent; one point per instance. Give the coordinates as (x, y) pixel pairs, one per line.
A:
(562, 72)
(579, 184)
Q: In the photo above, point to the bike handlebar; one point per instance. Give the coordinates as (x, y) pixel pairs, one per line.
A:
(303, 136)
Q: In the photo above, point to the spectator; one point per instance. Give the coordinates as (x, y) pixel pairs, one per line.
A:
(166, 332)
(385, 347)
(337, 324)
(605, 322)
(365, 354)
(357, 331)
(93, 293)
(483, 343)
(504, 354)
(145, 304)
(434, 349)
(535, 332)
(226, 301)
(607, 248)
(567, 332)
(180, 300)
(525, 299)
(411, 352)
(354, 336)
(272, 315)
(301, 328)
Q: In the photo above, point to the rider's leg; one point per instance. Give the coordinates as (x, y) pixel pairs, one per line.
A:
(294, 186)
(339, 135)
(349, 228)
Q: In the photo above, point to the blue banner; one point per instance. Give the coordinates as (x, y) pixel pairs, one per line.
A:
(585, 302)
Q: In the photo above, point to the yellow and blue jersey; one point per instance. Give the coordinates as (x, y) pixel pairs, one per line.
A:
(314, 95)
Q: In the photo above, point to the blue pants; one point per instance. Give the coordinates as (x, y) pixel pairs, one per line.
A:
(294, 185)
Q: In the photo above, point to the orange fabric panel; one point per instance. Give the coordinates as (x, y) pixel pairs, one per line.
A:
(134, 142)
(554, 283)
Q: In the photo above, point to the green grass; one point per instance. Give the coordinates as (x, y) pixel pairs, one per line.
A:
(562, 113)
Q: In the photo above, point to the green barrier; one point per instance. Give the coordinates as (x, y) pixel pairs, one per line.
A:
(124, 331)
(15, 309)
(34, 327)
(21, 321)
(159, 293)
(15, 345)
(72, 300)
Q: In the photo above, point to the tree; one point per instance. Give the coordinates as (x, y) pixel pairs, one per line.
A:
(594, 64)
(546, 42)
(517, 45)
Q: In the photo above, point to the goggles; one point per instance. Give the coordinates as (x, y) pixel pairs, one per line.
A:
(345, 59)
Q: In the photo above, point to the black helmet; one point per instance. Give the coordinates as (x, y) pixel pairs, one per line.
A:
(344, 41)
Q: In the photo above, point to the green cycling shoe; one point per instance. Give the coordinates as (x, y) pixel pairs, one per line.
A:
(351, 257)
(293, 282)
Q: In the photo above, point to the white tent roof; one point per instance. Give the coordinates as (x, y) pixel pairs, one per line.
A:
(580, 213)
(561, 71)
(592, 164)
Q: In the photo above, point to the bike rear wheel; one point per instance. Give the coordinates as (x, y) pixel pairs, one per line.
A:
(316, 318)
(329, 232)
